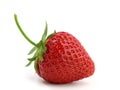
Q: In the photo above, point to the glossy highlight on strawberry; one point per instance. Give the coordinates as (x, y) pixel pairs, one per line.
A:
(59, 57)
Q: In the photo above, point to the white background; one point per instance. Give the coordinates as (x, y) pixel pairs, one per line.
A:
(96, 23)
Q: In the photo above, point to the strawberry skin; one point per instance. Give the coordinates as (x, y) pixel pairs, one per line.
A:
(59, 57)
(65, 60)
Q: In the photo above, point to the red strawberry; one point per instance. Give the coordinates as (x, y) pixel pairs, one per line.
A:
(60, 57)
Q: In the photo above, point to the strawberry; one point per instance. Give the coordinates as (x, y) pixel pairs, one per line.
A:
(59, 57)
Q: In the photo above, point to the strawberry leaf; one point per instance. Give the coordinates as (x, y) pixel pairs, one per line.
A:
(43, 47)
(33, 58)
(41, 58)
(50, 35)
(36, 65)
(45, 32)
(28, 64)
(32, 50)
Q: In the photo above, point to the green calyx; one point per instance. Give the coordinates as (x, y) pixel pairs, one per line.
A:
(39, 49)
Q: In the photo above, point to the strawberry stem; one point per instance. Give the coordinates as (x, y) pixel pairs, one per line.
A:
(21, 30)
(39, 49)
